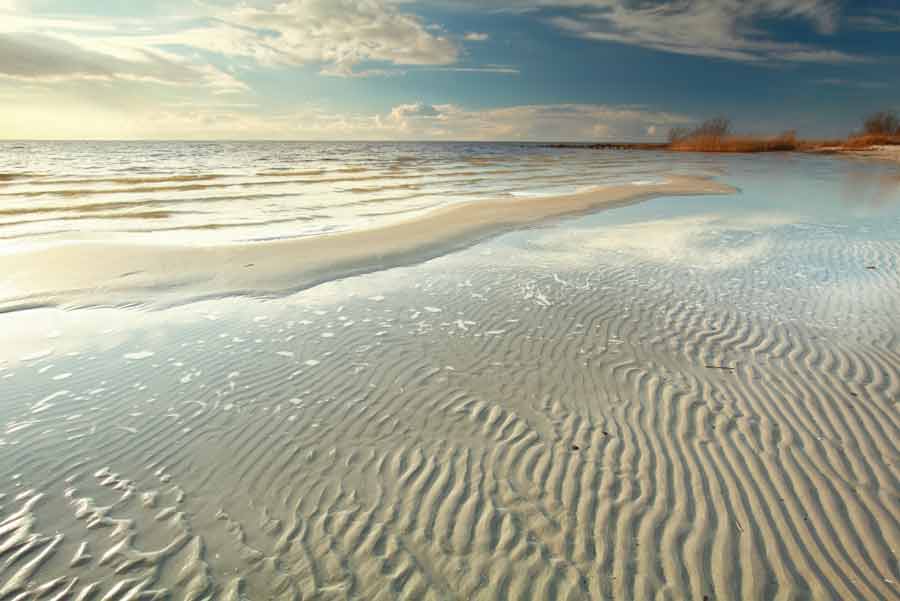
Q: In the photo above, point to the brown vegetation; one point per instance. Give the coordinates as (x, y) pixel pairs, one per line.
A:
(715, 135)
(885, 123)
(864, 141)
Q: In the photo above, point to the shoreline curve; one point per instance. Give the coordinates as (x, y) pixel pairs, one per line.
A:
(101, 273)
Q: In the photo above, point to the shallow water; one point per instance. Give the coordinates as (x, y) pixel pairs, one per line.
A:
(206, 193)
(682, 398)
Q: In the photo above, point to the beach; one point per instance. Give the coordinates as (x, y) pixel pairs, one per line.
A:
(485, 372)
(885, 153)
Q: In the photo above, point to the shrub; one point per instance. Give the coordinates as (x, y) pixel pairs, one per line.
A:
(677, 134)
(718, 127)
(710, 129)
(715, 135)
(884, 123)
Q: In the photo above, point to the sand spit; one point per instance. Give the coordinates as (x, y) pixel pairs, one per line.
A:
(102, 273)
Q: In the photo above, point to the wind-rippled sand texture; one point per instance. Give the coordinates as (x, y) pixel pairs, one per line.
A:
(467, 430)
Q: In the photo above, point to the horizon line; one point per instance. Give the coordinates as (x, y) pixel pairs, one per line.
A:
(306, 141)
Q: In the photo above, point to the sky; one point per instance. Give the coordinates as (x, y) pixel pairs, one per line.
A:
(561, 70)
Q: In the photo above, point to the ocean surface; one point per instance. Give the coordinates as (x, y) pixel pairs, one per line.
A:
(216, 192)
(684, 398)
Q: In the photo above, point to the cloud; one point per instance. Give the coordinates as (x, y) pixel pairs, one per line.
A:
(551, 122)
(45, 58)
(404, 111)
(499, 69)
(342, 37)
(847, 83)
(473, 36)
(339, 35)
(84, 118)
(883, 20)
(802, 55)
(723, 29)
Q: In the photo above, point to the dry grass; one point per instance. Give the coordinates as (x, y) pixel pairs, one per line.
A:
(714, 135)
(705, 143)
(869, 140)
(784, 143)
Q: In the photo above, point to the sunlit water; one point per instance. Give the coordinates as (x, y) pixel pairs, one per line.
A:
(683, 398)
(241, 191)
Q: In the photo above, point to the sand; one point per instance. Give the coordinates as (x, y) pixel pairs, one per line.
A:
(885, 153)
(578, 412)
(89, 273)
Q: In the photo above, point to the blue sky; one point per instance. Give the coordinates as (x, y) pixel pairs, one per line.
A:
(442, 69)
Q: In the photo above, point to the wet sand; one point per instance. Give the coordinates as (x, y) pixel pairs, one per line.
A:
(884, 153)
(91, 272)
(686, 398)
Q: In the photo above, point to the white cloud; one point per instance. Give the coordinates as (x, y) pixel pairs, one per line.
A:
(883, 20)
(44, 58)
(474, 36)
(723, 29)
(850, 83)
(553, 122)
(339, 35)
(499, 69)
(806, 55)
(43, 115)
(404, 111)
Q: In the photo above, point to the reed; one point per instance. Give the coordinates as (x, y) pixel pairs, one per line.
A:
(715, 135)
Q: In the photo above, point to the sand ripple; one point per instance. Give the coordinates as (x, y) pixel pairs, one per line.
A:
(614, 433)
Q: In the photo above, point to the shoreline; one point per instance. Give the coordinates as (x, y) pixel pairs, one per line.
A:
(877, 151)
(97, 273)
(881, 153)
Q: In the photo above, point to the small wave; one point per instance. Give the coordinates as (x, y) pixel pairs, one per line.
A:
(8, 177)
(102, 191)
(134, 180)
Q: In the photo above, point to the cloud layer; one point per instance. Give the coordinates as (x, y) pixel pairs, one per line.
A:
(336, 35)
(411, 121)
(44, 58)
(722, 29)
(547, 122)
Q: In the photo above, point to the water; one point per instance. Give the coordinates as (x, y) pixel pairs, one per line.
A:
(221, 192)
(683, 398)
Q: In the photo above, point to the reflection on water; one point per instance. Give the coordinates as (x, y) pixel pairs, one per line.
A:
(683, 398)
(872, 186)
